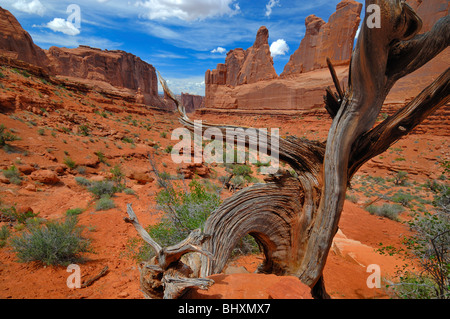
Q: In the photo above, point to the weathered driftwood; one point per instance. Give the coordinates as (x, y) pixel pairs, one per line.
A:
(294, 219)
(166, 276)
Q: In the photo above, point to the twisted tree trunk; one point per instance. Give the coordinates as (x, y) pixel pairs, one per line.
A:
(294, 219)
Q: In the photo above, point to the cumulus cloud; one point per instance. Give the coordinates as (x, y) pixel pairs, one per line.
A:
(219, 50)
(32, 7)
(64, 26)
(187, 10)
(270, 5)
(279, 47)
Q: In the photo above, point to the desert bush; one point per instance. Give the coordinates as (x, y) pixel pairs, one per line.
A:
(55, 243)
(74, 212)
(10, 213)
(70, 162)
(82, 181)
(387, 210)
(401, 178)
(105, 203)
(13, 175)
(102, 188)
(4, 235)
(402, 198)
(185, 209)
(6, 136)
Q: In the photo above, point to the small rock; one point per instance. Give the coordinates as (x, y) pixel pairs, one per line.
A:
(30, 187)
(123, 294)
(26, 169)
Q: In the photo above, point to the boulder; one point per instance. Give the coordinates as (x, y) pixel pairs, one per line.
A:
(45, 177)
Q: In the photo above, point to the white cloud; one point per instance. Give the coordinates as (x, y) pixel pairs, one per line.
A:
(47, 39)
(192, 85)
(270, 5)
(32, 7)
(61, 25)
(187, 10)
(279, 47)
(219, 50)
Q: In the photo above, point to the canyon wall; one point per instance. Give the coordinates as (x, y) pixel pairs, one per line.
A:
(302, 84)
(116, 70)
(248, 81)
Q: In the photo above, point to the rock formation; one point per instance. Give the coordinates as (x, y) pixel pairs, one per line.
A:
(16, 43)
(109, 70)
(245, 67)
(302, 84)
(191, 102)
(248, 80)
(322, 40)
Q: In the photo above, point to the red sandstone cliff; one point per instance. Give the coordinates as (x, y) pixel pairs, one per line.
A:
(191, 102)
(16, 43)
(248, 79)
(117, 68)
(322, 40)
(302, 84)
(109, 70)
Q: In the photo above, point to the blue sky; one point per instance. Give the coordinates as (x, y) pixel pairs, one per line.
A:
(181, 38)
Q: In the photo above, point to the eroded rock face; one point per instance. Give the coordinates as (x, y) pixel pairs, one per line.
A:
(191, 102)
(110, 70)
(16, 43)
(333, 39)
(119, 68)
(245, 67)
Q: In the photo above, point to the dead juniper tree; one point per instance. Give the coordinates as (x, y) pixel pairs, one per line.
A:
(294, 219)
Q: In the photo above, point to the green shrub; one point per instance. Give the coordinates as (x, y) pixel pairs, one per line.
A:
(105, 203)
(4, 235)
(401, 178)
(55, 243)
(11, 214)
(13, 175)
(74, 212)
(6, 136)
(184, 211)
(70, 162)
(387, 210)
(427, 249)
(403, 198)
(242, 170)
(83, 181)
(102, 188)
(84, 130)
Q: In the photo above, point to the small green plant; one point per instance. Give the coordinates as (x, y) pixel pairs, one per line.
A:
(82, 181)
(163, 134)
(4, 235)
(105, 203)
(84, 130)
(41, 131)
(386, 210)
(70, 162)
(102, 188)
(55, 243)
(11, 214)
(13, 175)
(6, 136)
(127, 139)
(74, 212)
(101, 157)
(401, 178)
(185, 209)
